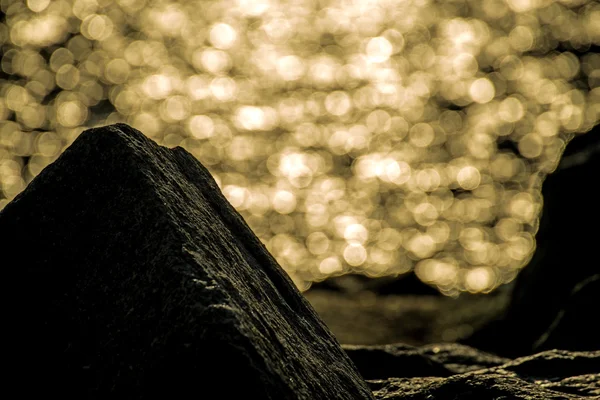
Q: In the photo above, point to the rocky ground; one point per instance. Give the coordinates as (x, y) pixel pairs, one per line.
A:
(453, 371)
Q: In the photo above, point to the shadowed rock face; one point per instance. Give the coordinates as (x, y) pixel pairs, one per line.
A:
(131, 276)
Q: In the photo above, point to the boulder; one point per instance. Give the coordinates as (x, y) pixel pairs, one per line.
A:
(130, 276)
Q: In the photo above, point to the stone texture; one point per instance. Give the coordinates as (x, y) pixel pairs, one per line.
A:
(460, 358)
(548, 375)
(575, 326)
(131, 276)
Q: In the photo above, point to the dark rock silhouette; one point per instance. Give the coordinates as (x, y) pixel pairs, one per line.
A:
(575, 324)
(567, 254)
(132, 277)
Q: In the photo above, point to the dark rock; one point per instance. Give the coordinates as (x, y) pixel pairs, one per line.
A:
(582, 385)
(401, 360)
(576, 326)
(544, 376)
(553, 364)
(471, 386)
(132, 277)
(566, 255)
(459, 358)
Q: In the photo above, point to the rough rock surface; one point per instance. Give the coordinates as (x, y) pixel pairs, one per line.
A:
(131, 276)
(475, 375)
(575, 327)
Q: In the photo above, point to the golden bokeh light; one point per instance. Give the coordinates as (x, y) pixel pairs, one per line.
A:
(371, 137)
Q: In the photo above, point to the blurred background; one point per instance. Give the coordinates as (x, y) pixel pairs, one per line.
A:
(373, 137)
